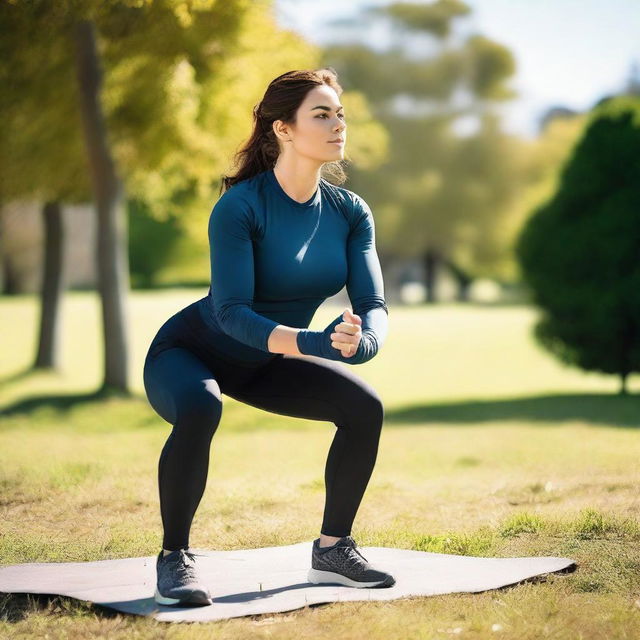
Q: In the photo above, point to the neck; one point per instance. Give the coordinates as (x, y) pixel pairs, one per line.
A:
(298, 178)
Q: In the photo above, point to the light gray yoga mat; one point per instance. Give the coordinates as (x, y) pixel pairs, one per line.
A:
(268, 580)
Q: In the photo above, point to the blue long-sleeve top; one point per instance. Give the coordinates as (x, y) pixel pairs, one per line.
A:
(274, 260)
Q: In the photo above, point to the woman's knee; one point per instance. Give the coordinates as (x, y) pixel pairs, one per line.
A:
(369, 411)
(199, 409)
(375, 409)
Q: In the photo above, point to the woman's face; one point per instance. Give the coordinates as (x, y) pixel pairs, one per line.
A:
(319, 119)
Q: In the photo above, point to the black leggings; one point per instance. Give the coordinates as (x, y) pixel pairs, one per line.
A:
(184, 381)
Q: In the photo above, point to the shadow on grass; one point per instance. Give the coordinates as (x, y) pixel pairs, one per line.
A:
(601, 409)
(64, 402)
(16, 607)
(19, 375)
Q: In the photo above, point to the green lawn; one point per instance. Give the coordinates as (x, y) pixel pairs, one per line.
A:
(490, 448)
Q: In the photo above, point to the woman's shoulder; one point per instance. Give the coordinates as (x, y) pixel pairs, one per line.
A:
(245, 188)
(353, 205)
(242, 196)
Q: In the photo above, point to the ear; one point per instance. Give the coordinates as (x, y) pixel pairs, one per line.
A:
(281, 130)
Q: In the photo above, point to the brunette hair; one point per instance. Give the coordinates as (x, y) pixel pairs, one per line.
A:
(283, 97)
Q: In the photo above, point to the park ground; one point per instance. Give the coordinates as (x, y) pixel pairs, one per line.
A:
(489, 448)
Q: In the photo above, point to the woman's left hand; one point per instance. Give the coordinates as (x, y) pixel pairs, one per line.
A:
(348, 334)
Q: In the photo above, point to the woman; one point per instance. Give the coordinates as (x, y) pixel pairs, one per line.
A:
(282, 240)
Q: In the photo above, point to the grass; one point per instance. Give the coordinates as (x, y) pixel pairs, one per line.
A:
(490, 448)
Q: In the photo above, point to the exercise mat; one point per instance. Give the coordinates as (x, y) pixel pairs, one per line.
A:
(268, 580)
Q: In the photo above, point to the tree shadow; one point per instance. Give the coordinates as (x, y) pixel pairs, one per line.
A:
(597, 408)
(601, 409)
(22, 374)
(62, 402)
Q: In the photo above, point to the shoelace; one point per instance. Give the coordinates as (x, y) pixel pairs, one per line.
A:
(352, 553)
(186, 563)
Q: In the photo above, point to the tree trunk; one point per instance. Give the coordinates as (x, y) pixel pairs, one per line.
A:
(463, 279)
(431, 267)
(51, 287)
(623, 386)
(112, 265)
(10, 280)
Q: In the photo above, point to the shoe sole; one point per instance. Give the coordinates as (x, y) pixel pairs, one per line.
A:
(316, 576)
(196, 598)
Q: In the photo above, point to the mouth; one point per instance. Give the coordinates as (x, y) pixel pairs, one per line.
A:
(338, 141)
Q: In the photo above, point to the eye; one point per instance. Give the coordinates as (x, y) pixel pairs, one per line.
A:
(340, 115)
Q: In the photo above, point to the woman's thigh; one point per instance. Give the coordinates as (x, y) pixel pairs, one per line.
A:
(313, 388)
(178, 383)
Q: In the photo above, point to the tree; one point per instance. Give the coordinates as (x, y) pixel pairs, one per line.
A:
(41, 150)
(55, 102)
(580, 251)
(142, 101)
(444, 194)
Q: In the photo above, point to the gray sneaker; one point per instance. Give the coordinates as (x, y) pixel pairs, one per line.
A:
(178, 581)
(343, 563)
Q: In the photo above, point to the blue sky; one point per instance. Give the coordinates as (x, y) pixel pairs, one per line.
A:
(567, 52)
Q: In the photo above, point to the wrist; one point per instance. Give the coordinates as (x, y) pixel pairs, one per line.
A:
(308, 342)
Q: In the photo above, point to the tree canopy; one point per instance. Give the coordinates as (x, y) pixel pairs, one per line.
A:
(580, 251)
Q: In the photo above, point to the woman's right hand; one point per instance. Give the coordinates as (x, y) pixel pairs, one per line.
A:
(321, 343)
(347, 334)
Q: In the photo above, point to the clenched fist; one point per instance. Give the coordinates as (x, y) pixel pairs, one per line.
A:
(347, 334)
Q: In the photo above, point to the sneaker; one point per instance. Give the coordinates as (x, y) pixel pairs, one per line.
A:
(178, 581)
(343, 563)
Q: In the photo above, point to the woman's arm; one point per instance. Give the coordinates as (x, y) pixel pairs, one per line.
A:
(365, 287)
(283, 339)
(232, 276)
(365, 284)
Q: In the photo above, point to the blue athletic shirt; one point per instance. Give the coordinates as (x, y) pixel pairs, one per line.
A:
(274, 260)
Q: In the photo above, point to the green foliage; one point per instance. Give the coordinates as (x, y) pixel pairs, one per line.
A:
(155, 58)
(42, 150)
(180, 81)
(152, 243)
(580, 251)
(432, 18)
